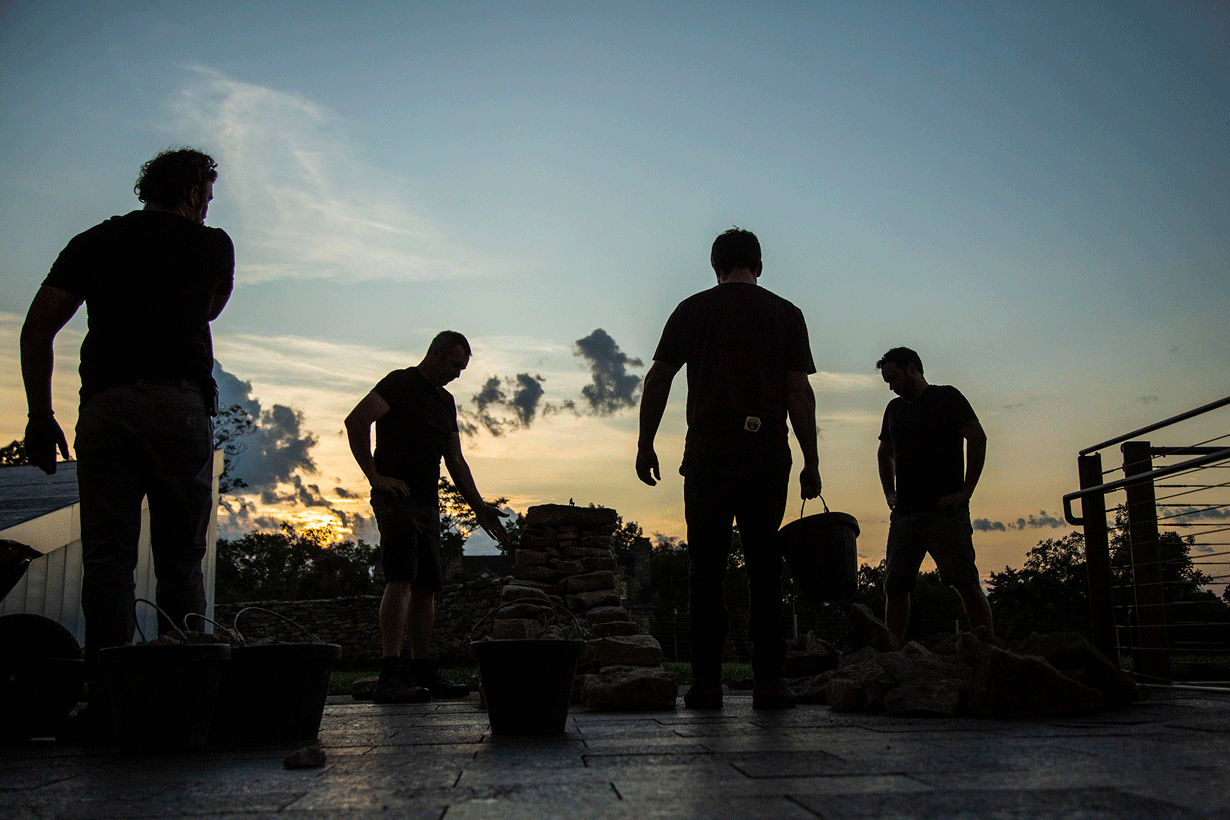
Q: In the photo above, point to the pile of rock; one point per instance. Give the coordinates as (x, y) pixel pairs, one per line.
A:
(566, 562)
(972, 673)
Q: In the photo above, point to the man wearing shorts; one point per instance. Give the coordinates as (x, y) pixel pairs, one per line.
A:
(931, 453)
(416, 426)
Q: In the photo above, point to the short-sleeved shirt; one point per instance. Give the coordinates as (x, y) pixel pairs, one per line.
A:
(928, 448)
(738, 341)
(148, 280)
(412, 437)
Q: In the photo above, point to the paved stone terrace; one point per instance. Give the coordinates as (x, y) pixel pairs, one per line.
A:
(1165, 758)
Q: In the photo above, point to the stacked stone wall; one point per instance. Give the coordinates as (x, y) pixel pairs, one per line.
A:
(354, 622)
(566, 557)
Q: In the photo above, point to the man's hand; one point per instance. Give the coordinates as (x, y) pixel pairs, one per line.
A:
(488, 517)
(43, 437)
(809, 482)
(891, 498)
(390, 485)
(647, 466)
(954, 500)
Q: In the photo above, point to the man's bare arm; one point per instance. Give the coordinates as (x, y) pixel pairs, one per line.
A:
(48, 314)
(884, 459)
(975, 459)
(359, 434)
(801, 407)
(488, 516)
(654, 396)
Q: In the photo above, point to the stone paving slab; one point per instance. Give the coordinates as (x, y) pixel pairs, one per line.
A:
(1165, 758)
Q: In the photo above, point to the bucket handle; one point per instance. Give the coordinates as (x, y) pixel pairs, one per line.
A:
(141, 632)
(293, 623)
(804, 504)
(539, 601)
(234, 635)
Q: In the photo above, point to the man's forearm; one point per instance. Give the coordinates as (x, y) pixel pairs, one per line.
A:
(360, 438)
(975, 458)
(654, 397)
(887, 479)
(802, 410)
(37, 363)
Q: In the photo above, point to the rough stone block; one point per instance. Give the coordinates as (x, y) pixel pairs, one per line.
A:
(1010, 685)
(630, 687)
(590, 582)
(629, 650)
(606, 614)
(571, 551)
(938, 698)
(534, 558)
(532, 573)
(598, 564)
(554, 515)
(567, 568)
(616, 628)
(515, 629)
(865, 629)
(598, 599)
(517, 592)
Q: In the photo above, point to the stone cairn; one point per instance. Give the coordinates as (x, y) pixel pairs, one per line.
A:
(946, 675)
(566, 562)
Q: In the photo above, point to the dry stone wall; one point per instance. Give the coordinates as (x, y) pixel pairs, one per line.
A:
(353, 623)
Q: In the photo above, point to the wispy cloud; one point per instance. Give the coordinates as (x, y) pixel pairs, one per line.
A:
(825, 382)
(308, 207)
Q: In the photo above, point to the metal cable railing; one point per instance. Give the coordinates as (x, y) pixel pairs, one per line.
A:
(1159, 572)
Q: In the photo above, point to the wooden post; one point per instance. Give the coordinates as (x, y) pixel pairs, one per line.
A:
(1146, 562)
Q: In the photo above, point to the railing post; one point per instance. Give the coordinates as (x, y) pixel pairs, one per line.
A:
(1097, 558)
(1146, 562)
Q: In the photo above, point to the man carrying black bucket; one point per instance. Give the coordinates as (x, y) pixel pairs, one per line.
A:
(931, 454)
(748, 360)
(416, 426)
(152, 281)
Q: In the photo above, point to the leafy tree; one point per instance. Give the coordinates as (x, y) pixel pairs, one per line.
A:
(14, 455)
(1052, 590)
(294, 565)
(230, 427)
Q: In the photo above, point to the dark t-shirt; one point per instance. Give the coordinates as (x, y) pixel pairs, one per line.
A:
(148, 280)
(738, 341)
(928, 449)
(412, 437)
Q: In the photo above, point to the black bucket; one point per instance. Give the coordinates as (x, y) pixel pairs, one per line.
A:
(822, 554)
(163, 697)
(527, 683)
(41, 675)
(274, 691)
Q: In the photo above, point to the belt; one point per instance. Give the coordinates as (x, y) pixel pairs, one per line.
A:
(183, 384)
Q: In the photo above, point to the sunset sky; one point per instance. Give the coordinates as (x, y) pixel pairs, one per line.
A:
(1035, 196)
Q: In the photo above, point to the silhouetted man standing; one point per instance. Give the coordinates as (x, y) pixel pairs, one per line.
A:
(748, 360)
(416, 426)
(152, 281)
(931, 454)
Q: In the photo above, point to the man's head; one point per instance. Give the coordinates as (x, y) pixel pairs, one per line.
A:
(447, 355)
(179, 180)
(902, 370)
(735, 249)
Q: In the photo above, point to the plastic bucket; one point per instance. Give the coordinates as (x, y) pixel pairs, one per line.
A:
(821, 552)
(163, 697)
(274, 692)
(527, 684)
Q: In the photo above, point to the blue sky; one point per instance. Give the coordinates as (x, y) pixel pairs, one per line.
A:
(1034, 196)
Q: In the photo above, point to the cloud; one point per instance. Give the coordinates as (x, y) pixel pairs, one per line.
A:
(1216, 512)
(1042, 520)
(277, 448)
(613, 388)
(306, 206)
(1147, 399)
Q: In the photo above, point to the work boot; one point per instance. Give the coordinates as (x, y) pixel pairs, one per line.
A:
(423, 673)
(704, 694)
(771, 693)
(393, 686)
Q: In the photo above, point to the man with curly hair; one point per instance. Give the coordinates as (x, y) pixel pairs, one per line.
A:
(152, 281)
